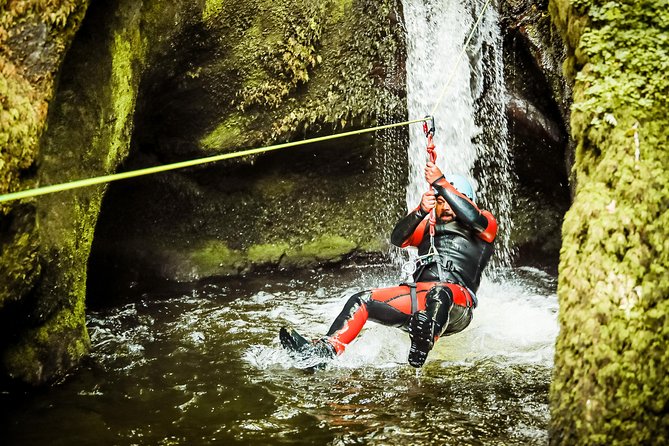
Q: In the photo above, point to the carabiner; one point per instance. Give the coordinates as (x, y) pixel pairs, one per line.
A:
(428, 126)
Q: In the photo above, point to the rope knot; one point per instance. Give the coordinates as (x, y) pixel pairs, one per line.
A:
(431, 149)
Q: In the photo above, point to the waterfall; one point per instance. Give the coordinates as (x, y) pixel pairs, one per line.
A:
(471, 129)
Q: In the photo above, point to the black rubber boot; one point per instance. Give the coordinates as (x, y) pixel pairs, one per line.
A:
(311, 352)
(421, 332)
(292, 340)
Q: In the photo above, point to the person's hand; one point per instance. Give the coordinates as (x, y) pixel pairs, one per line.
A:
(428, 201)
(432, 172)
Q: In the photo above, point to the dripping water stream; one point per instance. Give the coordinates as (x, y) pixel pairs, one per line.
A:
(471, 129)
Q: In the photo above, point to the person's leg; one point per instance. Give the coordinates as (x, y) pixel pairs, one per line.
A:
(388, 306)
(448, 310)
(459, 303)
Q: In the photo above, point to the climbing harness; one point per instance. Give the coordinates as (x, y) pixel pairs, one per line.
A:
(409, 268)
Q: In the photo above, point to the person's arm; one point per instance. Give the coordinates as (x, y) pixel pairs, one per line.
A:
(466, 212)
(409, 230)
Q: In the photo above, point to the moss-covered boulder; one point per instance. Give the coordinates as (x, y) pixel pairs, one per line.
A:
(610, 382)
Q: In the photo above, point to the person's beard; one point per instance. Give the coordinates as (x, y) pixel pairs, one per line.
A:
(446, 216)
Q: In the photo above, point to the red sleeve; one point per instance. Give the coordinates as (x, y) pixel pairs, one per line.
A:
(490, 232)
(417, 236)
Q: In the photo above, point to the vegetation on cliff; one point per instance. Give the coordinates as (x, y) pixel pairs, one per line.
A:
(277, 71)
(34, 38)
(610, 383)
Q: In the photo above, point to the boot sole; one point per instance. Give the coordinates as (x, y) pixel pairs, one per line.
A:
(420, 333)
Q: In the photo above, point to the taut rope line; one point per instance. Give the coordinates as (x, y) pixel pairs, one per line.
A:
(180, 165)
(196, 162)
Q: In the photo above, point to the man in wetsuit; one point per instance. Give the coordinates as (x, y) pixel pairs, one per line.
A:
(448, 274)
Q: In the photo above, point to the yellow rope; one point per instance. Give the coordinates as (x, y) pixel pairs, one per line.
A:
(195, 162)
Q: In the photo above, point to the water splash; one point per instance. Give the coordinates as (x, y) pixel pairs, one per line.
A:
(471, 133)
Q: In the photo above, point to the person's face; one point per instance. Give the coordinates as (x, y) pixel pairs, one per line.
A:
(443, 211)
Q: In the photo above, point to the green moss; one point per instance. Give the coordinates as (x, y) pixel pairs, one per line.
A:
(614, 262)
(228, 134)
(19, 127)
(89, 135)
(306, 65)
(126, 49)
(45, 352)
(340, 9)
(374, 244)
(285, 63)
(327, 247)
(27, 79)
(267, 253)
(215, 258)
(19, 268)
(212, 8)
(24, 93)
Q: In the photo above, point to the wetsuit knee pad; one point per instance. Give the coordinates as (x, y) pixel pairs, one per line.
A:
(439, 301)
(460, 317)
(439, 295)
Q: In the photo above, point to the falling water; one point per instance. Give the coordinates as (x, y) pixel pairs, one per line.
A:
(464, 87)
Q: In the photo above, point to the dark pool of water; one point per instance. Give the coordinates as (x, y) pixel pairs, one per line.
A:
(205, 367)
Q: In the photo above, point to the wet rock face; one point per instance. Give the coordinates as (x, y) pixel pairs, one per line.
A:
(36, 340)
(537, 111)
(152, 82)
(250, 75)
(611, 351)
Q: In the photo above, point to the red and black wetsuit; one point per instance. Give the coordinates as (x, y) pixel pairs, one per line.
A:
(464, 245)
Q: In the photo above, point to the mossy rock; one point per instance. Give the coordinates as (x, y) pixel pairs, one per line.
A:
(610, 371)
(267, 253)
(331, 248)
(151, 82)
(44, 353)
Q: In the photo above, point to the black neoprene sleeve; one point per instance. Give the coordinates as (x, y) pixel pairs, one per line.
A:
(406, 226)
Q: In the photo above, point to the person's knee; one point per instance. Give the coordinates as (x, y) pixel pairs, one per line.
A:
(439, 295)
(358, 299)
(460, 319)
(439, 301)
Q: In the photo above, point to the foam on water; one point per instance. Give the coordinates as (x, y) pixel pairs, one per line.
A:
(515, 322)
(209, 365)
